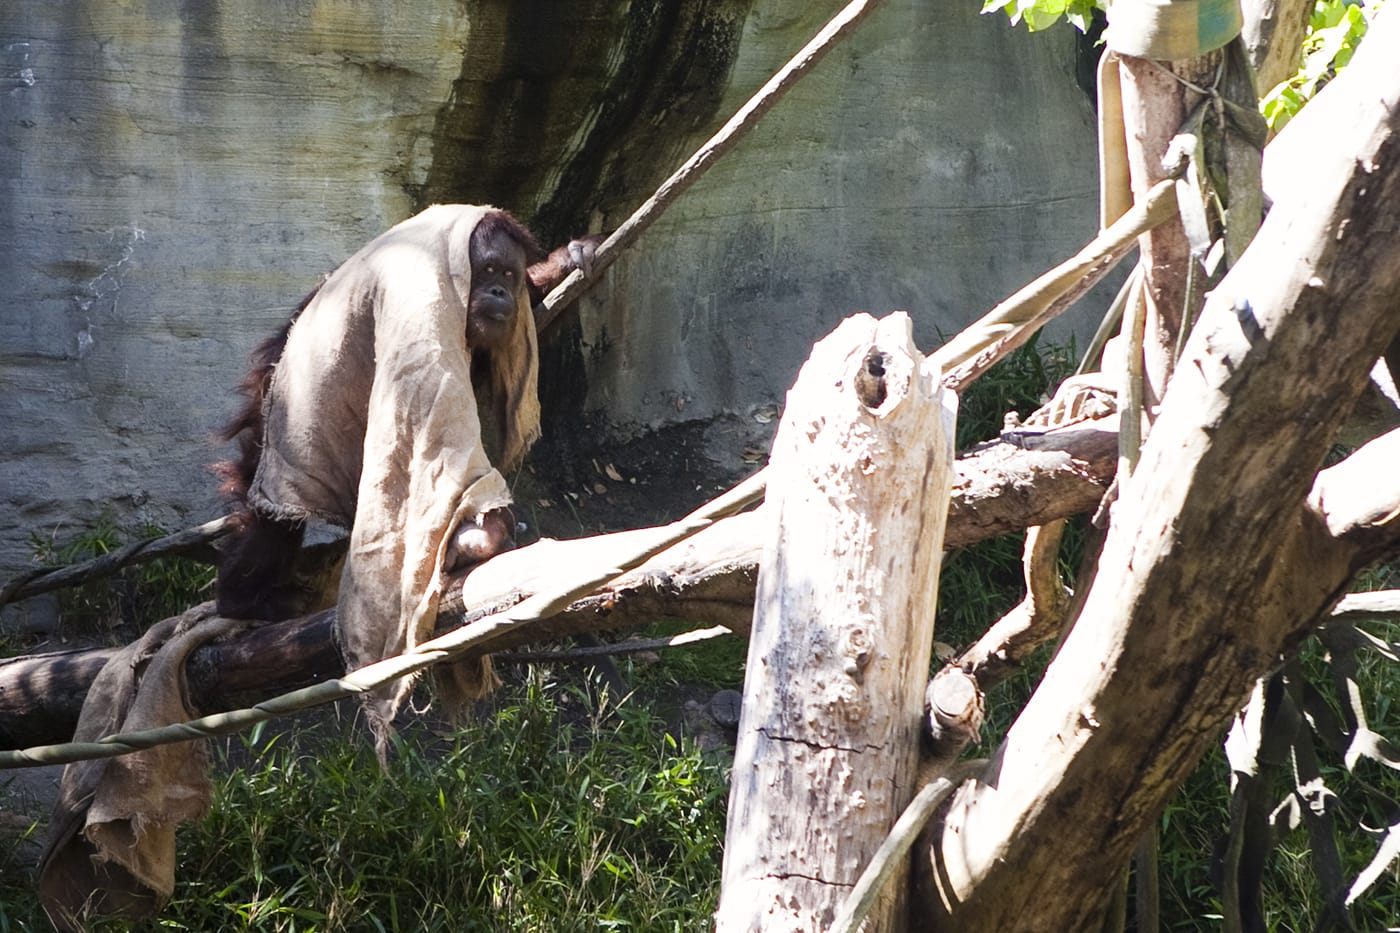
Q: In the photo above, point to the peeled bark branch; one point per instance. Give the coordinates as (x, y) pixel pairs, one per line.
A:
(708, 579)
(1359, 498)
(1010, 324)
(1213, 566)
(1359, 607)
(1034, 621)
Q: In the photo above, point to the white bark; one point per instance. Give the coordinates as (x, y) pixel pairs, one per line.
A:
(1215, 564)
(859, 484)
(1273, 31)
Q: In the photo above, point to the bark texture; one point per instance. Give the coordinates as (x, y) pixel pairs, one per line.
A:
(1273, 31)
(1215, 562)
(843, 628)
(1156, 100)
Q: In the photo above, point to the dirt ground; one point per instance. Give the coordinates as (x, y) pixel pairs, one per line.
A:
(570, 490)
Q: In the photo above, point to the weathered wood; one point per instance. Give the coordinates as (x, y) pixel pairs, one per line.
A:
(1156, 100)
(593, 571)
(889, 860)
(1361, 607)
(1215, 564)
(41, 695)
(267, 661)
(1273, 31)
(1034, 621)
(859, 481)
(952, 719)
(1000, 488)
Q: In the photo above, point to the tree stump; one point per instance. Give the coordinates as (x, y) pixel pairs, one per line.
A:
(860, 480)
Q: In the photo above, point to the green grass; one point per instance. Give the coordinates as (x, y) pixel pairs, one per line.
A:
(131, 599)
(717, 663)
(554, 812)
(1196, 820)
(1021, 383)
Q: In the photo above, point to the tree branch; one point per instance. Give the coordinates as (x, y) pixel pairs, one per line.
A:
(1034, 621)
(1358, 500)
(1213, 567)
(709, 578)
(717, 145)
(48, 579)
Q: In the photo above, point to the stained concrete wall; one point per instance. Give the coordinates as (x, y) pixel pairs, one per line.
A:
(175, 174)
(934, 163)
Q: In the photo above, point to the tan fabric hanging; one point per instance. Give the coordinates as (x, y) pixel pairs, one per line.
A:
(372, 424)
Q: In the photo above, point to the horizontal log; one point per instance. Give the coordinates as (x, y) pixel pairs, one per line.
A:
(999, 487)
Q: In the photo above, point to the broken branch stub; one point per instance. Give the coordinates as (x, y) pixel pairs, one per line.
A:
(859, 483)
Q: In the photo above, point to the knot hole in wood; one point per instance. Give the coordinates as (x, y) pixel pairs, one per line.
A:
(870, 380)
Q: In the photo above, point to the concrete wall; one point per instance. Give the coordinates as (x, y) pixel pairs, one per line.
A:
(175, 175)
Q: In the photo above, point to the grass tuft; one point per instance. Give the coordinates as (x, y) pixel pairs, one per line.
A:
(557, 811)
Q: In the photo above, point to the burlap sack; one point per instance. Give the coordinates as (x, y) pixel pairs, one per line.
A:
(372, 424)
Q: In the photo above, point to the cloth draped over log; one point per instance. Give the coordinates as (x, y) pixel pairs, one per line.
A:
(372, 424)
(111, 842)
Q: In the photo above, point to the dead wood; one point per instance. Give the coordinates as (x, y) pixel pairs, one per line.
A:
(1225, 548)
(858, 487)
(998, 488)
(1157, 96)
(952, 720)
(1034, 621)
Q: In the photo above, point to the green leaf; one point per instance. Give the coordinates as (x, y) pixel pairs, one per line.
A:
(1042, 14)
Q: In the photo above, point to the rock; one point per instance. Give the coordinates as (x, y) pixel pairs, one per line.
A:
(37, 616)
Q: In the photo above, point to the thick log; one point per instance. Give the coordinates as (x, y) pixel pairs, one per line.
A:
(41, 694)
(858, 487)
(999, 488)
(1216, 562)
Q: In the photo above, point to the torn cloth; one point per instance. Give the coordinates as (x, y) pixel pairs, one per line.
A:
(372, 423)
(111, 844)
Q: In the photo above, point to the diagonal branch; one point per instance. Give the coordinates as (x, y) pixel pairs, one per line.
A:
(1213, 566)
(725, 139)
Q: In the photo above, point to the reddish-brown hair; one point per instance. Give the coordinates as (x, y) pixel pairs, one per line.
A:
(246, 426)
